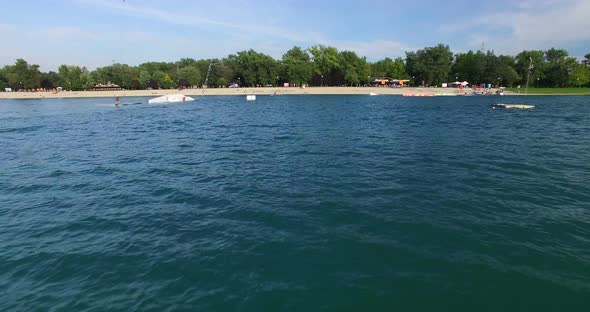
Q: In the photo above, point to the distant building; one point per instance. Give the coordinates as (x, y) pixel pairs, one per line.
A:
(106, 87)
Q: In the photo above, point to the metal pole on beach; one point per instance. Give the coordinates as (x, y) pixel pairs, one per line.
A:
(528, 77)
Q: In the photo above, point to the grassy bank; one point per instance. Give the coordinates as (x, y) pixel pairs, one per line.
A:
(548, 91)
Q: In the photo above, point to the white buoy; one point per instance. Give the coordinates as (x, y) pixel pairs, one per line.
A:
(250, 97)
(373, 94)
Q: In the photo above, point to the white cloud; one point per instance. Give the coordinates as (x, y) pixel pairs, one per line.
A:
(53, 46)
(544, 24)
(201, 31)
(204, 37)
(540, 4)
(176, 17)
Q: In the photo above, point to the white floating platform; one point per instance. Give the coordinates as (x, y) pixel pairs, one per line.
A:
(171, 98)
(250, 97)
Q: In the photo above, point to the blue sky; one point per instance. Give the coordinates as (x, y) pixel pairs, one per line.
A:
(97, 32)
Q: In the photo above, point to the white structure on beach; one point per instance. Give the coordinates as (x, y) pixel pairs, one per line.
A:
(459, 83)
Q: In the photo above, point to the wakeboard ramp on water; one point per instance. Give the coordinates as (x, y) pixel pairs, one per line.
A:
(171, 98)
(508, 106)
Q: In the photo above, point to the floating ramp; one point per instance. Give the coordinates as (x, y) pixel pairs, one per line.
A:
(171, 98)
(508, 106)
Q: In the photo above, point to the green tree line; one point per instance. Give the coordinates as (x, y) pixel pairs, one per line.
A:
(316, 66)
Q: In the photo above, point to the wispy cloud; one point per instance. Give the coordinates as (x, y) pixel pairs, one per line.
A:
(539, 25)
(178, 18)
(272, 39)
(76, 46)
(75, 31)
(540, 4)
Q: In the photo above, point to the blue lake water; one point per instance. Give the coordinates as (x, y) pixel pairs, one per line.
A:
(295, 203)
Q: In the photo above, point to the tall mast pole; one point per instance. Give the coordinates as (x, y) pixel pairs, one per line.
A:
(528, 77)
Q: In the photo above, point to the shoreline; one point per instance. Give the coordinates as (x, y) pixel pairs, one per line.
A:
(230, 92)
(254, 91)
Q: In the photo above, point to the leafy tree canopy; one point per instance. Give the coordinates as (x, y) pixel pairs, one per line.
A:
(318, 65)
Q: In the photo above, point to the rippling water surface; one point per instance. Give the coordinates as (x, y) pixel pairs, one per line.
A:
(295, 203)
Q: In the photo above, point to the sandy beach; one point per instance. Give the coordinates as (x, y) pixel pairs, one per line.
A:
(229, 91)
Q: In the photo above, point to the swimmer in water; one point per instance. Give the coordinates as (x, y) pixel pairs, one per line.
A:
(117, 101)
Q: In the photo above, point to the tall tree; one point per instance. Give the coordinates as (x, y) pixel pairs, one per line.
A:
(221, 75)
(185, 62)
(559, 66)
(398, 70)
(23, 75)
(466, 67)
(580, 76)
(86, 79)
(256, 69)
(491, 74)
(157, 79)
(326, 64)
(382, 68)
(389, 68)
(189, 76)
(3, 79)
(319, 64)
(536, 61)
(355, 69)
(506, 72)
(145, 79)
(120, 74)
(167, 82)
(431, 65)
(70, 77)
(296, 66)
